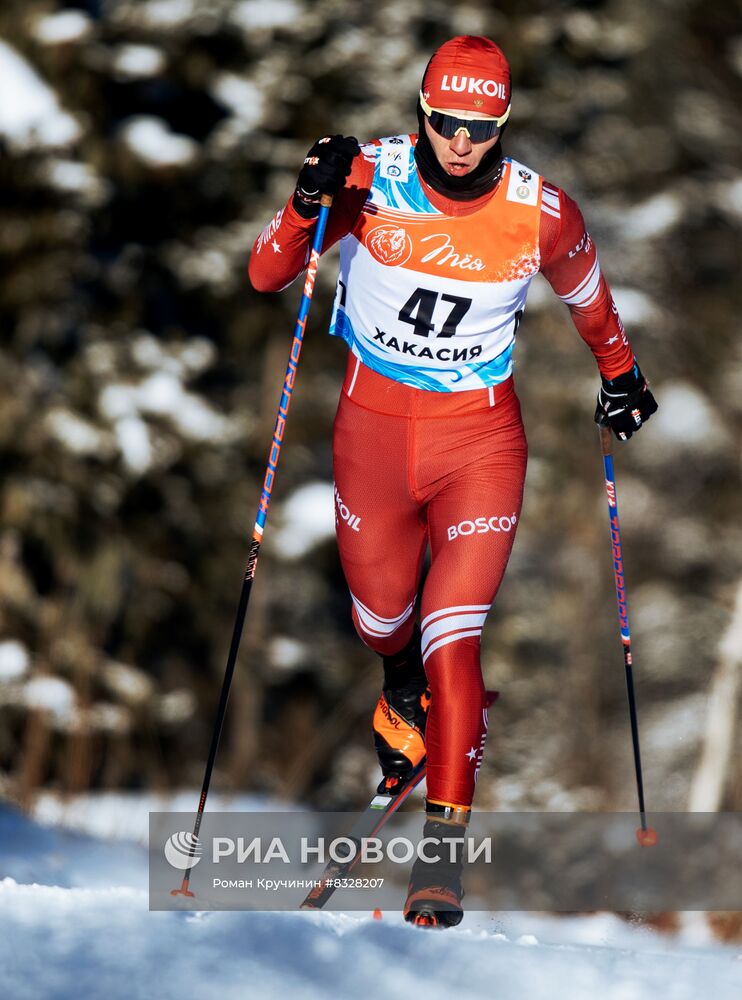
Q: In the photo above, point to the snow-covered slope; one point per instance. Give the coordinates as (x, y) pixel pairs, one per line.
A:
(76, 925)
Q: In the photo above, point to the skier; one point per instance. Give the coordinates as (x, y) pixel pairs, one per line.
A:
(440, 236)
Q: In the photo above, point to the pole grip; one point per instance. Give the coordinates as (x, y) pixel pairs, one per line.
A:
(326, 200)
(606, 439)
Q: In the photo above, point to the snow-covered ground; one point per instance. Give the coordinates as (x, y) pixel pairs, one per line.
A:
(76, 925)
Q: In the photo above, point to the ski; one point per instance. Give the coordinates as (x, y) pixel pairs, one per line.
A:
(372, 819)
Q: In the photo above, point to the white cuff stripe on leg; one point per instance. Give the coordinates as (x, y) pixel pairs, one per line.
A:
(445, 612)
(447, 626)
(374, 624)
(454, 637)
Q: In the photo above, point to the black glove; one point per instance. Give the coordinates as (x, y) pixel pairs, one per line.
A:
(625, 403)
(326, 166)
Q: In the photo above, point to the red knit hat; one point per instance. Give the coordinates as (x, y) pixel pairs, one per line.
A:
(468, 73)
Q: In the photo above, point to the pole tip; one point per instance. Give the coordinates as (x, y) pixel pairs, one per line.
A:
(648, 837)
(377, 914)
(183, 891)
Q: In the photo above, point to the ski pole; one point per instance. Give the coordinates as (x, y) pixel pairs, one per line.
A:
(646, 836)
(264, 503)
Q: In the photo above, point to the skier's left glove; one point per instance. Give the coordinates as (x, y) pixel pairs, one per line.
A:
(325, 168)
(625, 403)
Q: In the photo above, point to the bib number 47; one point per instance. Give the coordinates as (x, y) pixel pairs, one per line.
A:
(419, 308)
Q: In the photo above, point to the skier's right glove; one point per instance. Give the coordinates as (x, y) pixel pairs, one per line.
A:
(625, 403)
(326, 166)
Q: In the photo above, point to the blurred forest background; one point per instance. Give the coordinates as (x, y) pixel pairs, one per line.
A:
(143, 145)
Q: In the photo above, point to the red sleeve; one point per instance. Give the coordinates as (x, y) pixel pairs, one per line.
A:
(570, 265)
(281, 251)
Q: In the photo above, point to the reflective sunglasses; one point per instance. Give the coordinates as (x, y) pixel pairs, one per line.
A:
(449, 126)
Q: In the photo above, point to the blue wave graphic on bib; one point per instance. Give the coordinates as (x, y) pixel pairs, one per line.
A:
(483, 375)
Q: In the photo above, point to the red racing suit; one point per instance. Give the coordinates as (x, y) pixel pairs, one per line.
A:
(428, 443)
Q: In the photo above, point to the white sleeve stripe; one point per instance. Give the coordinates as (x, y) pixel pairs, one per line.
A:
(451, 611)
(588, 301)
(454, 637)
(587, 298)
(585, 287)
(550, 211)
(584, 281)
(549, 197)
(587, 295)
(451, 623)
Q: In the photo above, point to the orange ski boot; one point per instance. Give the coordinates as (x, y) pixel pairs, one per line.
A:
(401, 714)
